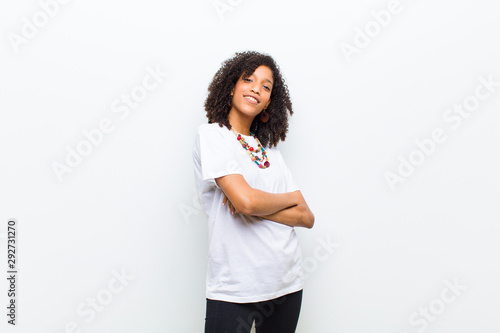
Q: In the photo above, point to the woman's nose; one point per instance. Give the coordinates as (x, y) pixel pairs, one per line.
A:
(255, 90)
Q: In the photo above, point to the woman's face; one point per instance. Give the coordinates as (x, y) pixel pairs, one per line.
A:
(251, 95)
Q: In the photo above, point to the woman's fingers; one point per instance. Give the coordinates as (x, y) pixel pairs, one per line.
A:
(229, 204)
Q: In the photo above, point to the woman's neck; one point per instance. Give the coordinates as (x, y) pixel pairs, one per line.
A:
(240, 125)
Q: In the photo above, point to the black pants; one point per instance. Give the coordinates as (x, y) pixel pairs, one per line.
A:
(279, 315)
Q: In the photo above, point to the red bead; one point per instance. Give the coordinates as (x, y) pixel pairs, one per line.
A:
(251, 149)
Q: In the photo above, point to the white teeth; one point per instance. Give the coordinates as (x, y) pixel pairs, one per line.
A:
(251, 98)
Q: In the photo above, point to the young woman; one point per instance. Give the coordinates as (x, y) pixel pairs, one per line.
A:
(251, 199)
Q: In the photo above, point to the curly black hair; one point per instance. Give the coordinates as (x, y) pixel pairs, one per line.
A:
(218, 102)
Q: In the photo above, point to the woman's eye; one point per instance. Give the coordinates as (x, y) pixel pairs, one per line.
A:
(249, 80)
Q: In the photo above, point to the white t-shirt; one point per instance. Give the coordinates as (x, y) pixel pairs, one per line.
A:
(250, 259)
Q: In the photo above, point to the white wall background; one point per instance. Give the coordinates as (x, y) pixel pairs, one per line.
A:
(128, 206)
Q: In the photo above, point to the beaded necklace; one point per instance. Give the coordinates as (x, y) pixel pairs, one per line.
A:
(250, 149)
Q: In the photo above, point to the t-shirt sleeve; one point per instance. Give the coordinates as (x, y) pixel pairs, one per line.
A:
(291, 185)
(216, 156)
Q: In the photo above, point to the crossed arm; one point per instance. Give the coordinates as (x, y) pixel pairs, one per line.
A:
(288, 208)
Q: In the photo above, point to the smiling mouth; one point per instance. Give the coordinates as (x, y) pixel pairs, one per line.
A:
(251, 99)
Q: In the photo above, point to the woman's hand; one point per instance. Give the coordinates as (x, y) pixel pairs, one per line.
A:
(229, 204)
